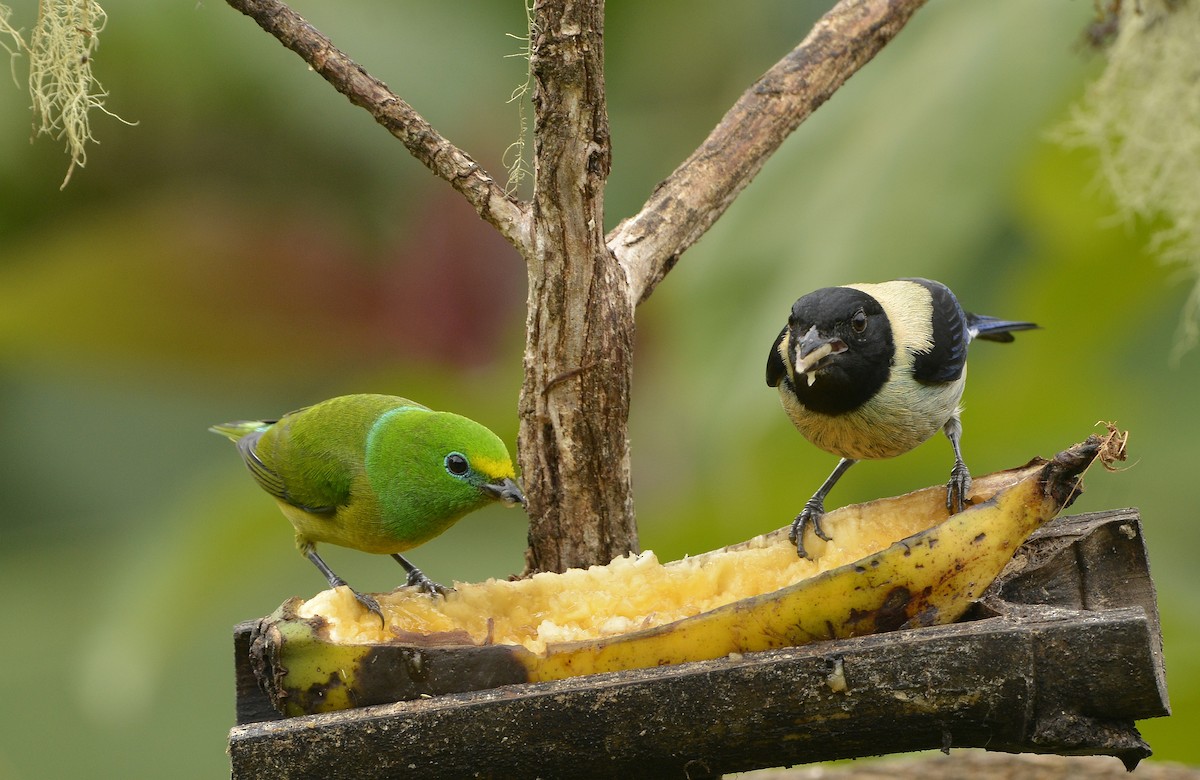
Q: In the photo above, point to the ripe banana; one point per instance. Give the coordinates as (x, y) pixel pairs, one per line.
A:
(329, 653)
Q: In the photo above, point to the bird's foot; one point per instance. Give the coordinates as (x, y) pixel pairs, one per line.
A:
(335, 581)
(371, 604)
(958, 488)
(417, 579)
(809, 517)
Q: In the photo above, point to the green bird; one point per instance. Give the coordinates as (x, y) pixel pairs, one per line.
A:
(375, 473)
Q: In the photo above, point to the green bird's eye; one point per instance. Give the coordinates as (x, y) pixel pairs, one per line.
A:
(456, 464)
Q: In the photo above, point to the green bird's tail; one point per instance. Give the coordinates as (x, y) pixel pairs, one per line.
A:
(239, 428)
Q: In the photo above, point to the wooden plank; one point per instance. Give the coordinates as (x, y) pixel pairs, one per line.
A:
(1083, 562)
(1070, 658)
(252, 704)
(978, 684)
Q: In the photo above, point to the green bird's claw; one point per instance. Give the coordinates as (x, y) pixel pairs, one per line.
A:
(371, 604)
(335, 581)
(417, 579)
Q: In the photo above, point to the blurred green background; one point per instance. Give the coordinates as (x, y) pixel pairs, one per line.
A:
(255, 244)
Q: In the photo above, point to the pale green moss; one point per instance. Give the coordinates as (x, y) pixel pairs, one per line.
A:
(62, 88)
(1142, 116)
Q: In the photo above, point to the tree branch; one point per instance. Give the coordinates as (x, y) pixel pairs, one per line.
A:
(687, 203)
(444, 159)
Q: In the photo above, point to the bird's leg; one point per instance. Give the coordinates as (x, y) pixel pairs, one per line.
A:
(960, 477)
(814, 509)
(417, 578)
(310, 552)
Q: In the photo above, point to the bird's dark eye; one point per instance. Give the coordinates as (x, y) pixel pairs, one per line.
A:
(456, 464)
(859, 321)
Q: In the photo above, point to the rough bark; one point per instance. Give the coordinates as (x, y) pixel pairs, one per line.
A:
(579, 341)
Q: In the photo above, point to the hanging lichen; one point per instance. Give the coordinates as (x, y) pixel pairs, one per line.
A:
(1142, 116)
(62, 87)
(8, 31)
(514, 155)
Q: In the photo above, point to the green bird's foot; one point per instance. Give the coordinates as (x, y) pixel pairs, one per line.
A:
(370, 603)
(335, 581)
(417, 579)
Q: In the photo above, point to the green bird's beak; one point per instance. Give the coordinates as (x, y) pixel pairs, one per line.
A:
(506, 490)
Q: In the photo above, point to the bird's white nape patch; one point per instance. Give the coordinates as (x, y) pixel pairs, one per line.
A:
(909, 309)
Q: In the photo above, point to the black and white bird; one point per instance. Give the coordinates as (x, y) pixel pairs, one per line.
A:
(872, 370)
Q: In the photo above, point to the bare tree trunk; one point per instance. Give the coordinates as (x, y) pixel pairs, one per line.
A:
(579, 339)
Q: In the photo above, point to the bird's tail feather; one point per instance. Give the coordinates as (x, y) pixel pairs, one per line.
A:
(995, 329)
(239, 428)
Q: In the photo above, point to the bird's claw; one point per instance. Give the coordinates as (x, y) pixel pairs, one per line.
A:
(809, 517)
(958, 488)
(371, 604)
(417, 579)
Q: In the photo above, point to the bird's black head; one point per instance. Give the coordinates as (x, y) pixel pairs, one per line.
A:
(836, 351)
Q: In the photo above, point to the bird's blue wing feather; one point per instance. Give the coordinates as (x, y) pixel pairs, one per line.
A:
(994, 329)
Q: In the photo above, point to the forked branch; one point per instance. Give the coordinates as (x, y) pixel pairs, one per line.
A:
(689, 201)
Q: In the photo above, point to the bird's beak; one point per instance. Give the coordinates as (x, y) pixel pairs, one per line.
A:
(811, 350)
(506, 490)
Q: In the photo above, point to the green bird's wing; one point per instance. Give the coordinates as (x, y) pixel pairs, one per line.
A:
(304, 496)
(312, 458)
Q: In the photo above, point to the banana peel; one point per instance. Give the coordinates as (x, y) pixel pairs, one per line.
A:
(330, 654)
